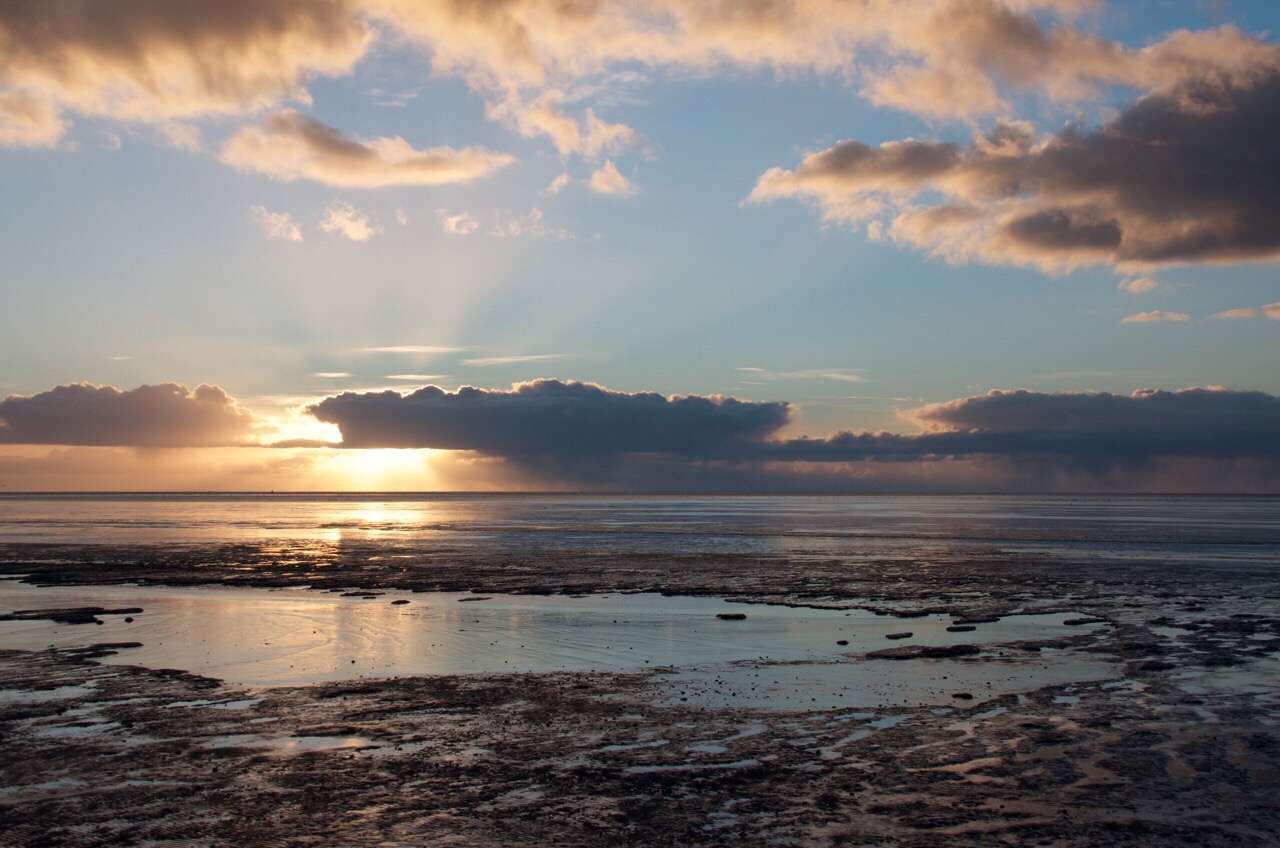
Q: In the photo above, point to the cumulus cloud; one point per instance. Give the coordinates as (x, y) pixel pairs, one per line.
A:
(1188, 174)
(164, 415)
(276, 225)
(560, 433)
(155, 60)
(1154, 315)
(349, 222)
(290, 146)
(548, 417)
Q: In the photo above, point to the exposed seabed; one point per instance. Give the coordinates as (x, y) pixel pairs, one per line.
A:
(1150, 720)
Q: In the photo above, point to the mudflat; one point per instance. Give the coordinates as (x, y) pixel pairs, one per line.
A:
(1153, 719)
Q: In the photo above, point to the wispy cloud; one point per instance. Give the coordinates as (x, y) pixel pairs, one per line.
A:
(419, 378)
(332, 375)
(290, 146)
(560, 181)
(276, 225)
(843, 375)
(485, 361)
(458, 224)
(413, 349)
(28, 122)
(1138, 285)
(531, 224)
(1246, 312)
(1154, 315)
(345, 220)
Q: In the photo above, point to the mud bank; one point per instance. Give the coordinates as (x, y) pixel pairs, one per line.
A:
(1176, 745)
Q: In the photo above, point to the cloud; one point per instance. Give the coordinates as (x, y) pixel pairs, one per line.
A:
(28, 122)
(531, 224)
(1189, 174)
(1098, 433)
(332, 375)
(412, 349)
(276, 225)
(349, 222)
(164, 415)
(156, 60)
(571, 420)
(842, 375)
(560, 181)
(553, 433)
(1155, 315)
(607, 180)
(1138, 285)
(417, 378)
(484, 361)
(1246, 312)
(460, 224)
(1270, 310)
(290, 146)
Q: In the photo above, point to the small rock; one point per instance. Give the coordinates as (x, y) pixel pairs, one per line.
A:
(731, 616)
(842, 641)
(903, 635)
(399, 601)
(963, 696)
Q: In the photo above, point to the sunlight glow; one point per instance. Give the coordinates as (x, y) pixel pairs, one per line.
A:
(388, 469)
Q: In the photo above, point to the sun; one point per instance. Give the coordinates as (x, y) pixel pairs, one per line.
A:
(383, 470)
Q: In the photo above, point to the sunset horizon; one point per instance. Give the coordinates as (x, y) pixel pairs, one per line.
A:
(371, 245)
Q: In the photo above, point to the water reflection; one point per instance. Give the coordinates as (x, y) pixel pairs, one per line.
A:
(288, 637)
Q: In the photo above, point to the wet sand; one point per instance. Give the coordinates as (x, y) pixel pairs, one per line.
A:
(1173, 741)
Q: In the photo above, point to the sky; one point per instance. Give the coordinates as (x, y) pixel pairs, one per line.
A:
(655, 245)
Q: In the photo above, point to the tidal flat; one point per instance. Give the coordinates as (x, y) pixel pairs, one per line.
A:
(1041, 698)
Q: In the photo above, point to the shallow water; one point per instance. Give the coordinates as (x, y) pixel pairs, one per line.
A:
(297, 636)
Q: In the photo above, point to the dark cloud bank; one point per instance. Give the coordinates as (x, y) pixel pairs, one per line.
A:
(553, 434)
(166, 415)
(578, 432)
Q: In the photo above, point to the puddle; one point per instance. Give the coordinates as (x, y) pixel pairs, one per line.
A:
(263, 637)
(290, 744)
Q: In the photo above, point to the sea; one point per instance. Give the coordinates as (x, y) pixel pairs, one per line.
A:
(1205, 530)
